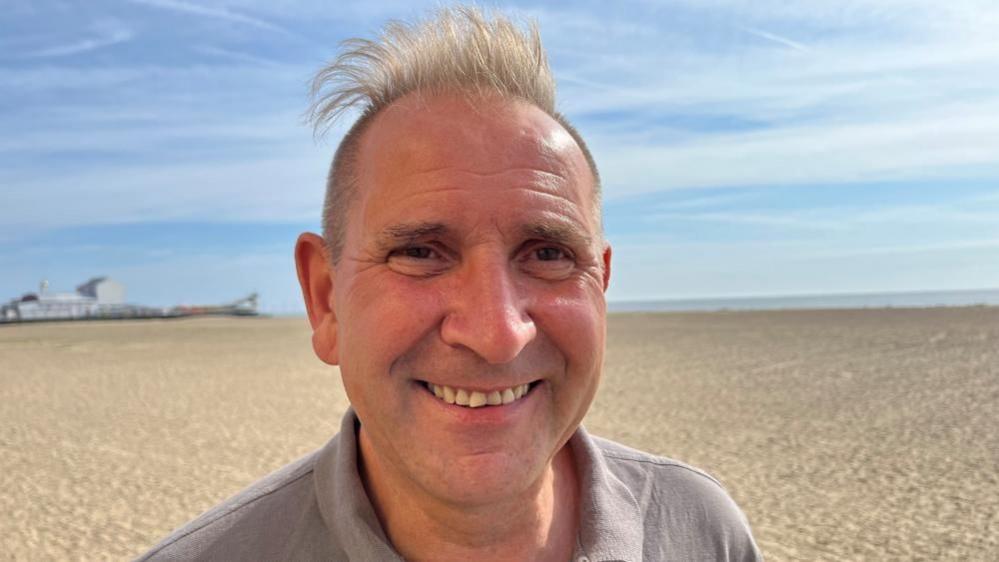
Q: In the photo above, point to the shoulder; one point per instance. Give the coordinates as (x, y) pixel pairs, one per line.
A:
(624, 457)
(686, 513)
(258, 522)
(654, 473)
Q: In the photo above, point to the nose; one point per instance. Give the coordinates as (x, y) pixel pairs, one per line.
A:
(487, 312)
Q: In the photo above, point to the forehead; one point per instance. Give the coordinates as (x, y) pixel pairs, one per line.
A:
(460, 141)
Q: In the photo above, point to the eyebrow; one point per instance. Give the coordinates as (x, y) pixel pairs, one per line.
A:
(405, 233)
(567, 234)
(557, 232)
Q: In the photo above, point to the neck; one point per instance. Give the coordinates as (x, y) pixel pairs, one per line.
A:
(540, 524)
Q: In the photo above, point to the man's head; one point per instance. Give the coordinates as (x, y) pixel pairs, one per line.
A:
(470, 264)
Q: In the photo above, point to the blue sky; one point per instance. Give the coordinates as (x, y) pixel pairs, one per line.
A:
(747, 148)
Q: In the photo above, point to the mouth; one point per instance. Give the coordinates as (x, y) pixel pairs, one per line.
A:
(476, 398)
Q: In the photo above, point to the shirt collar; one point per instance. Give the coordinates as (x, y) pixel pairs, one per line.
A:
(343, 502)
(610, 520)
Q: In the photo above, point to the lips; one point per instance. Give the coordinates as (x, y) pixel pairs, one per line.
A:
(477, 399)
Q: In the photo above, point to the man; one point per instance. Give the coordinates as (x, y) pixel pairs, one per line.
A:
(459, 286)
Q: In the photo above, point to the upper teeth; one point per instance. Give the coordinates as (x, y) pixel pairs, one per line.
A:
(475, 399)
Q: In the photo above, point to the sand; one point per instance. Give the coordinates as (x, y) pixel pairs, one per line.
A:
(844, 435)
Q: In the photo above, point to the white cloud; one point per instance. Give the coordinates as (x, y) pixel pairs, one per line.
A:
(970, 14)
(704, 201)
(988, 197)
(731, 267)
(952, 214)
(263, 168)
(944, 142)
(103, 34)
(235, 56)
(278, 189)
(901, 249)
(772, 220)
(973, 211)
(210, 12)
(206, 278)
(134, 132)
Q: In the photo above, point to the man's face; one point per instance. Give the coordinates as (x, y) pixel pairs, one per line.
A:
(473, 259)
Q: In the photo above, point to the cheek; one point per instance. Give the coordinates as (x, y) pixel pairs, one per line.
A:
(382, 318)
(576, 325)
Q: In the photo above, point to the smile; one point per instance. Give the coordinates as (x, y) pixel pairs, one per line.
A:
(475, 398)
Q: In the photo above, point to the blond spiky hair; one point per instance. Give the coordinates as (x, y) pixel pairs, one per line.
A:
(460, 50)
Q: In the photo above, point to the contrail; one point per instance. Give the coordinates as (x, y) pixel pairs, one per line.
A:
(775, 38)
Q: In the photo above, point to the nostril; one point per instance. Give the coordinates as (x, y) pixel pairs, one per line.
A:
(496, 336)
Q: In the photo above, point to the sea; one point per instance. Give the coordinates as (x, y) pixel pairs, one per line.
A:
(982, 297)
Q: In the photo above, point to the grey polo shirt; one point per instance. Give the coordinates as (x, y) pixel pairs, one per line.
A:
(634, 507)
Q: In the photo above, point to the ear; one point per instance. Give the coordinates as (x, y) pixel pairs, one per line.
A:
(316, 276)
(607, 265)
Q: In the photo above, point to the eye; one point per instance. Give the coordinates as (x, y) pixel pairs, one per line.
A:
(546, 261)
(419, 260)
(417, 252)
(549, 254)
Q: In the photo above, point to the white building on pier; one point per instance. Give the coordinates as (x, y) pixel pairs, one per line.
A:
(99, 297)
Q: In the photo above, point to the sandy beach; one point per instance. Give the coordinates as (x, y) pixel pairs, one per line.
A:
(844, 435)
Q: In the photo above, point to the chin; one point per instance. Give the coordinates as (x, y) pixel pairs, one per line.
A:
(487, 479)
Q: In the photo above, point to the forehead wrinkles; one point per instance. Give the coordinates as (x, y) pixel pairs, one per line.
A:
(533, 206)
(456, 193)
(525, 179)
